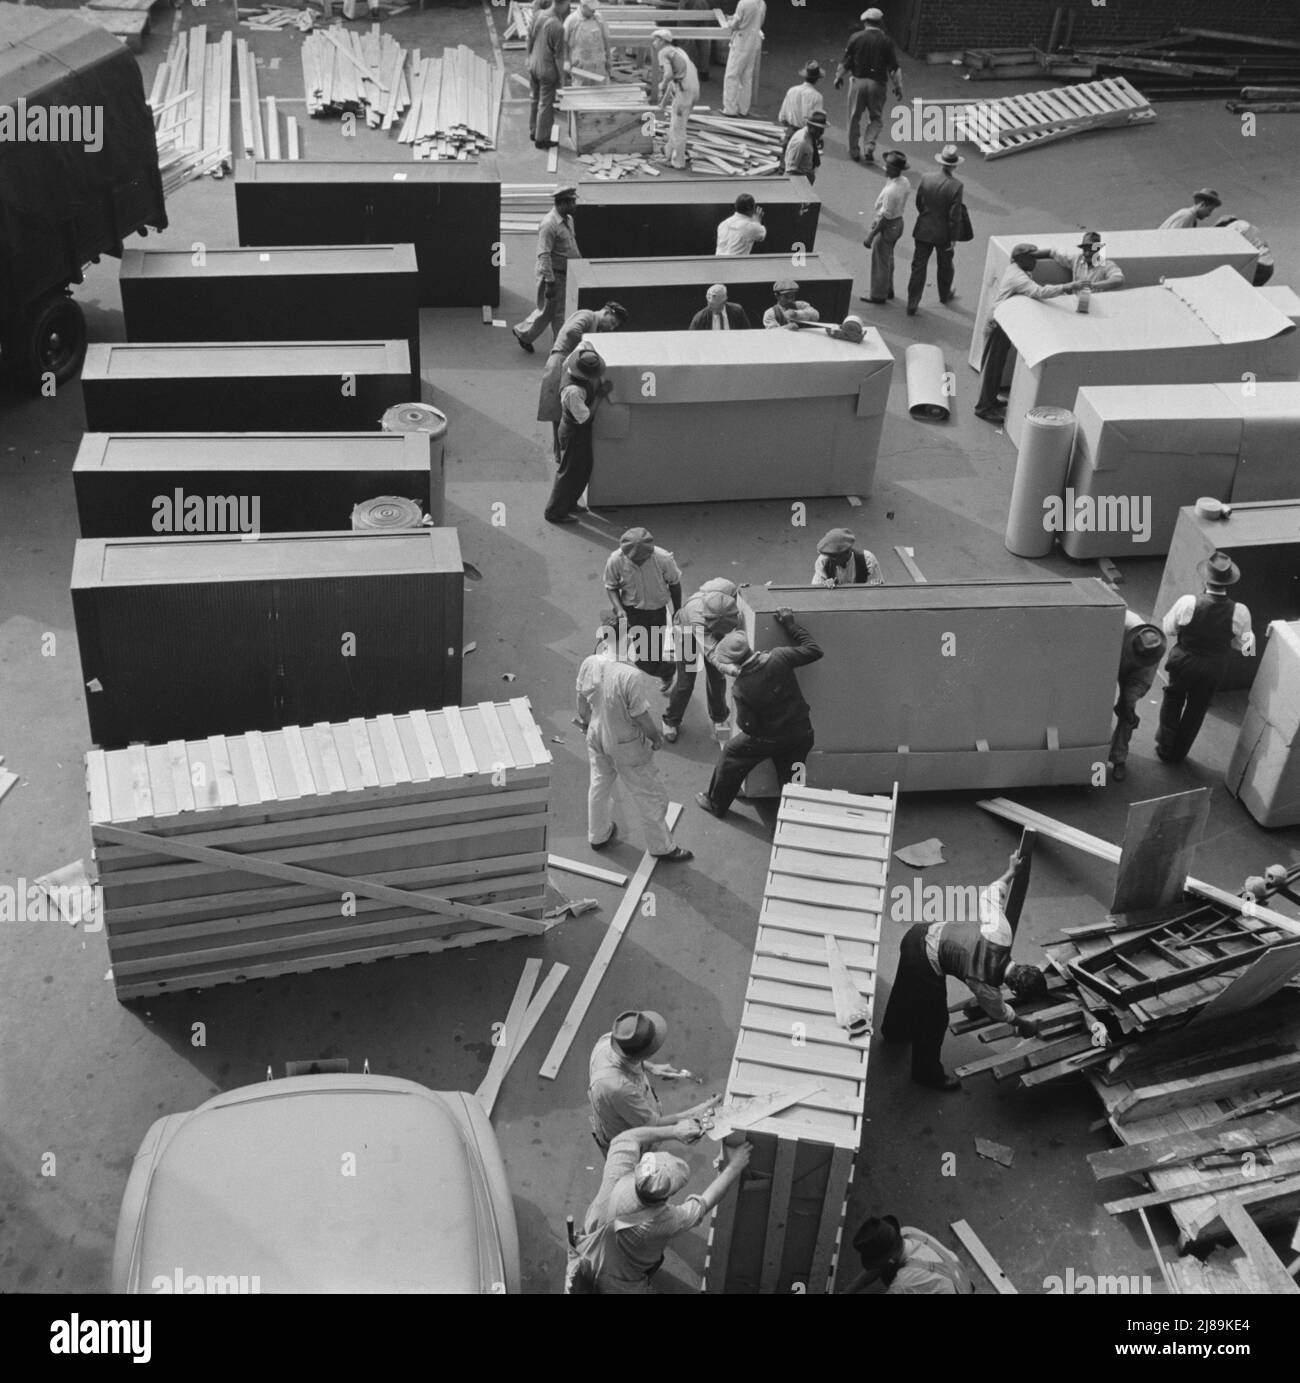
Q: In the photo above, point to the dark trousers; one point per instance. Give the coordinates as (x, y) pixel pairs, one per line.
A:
(576, 458)
(653, 622)
(920, 262)
(743, 753)
(1131, 690)
(715, 687)
(1193, 680)
(917, 1011)
(1263, 272)
(541, 113)
(996, 350)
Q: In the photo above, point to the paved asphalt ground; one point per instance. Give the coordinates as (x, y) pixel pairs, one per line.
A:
(82, 1077)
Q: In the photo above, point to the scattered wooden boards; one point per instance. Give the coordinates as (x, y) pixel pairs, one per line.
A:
(988, 1265)
(525, 1012)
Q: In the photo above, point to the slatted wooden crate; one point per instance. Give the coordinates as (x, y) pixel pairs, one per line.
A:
(828, 876)
(454, 803)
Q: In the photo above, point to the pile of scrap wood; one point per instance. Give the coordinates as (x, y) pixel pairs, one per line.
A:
(360, 73)
(518, 20)
(1008, 64)
(455, 105)
(273, 18)
(612, 167)
(730, 147)
(190, 101)
(261, 141)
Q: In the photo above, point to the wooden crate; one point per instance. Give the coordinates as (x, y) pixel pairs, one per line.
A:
(620, 131)
(454, 803)
(828, 876)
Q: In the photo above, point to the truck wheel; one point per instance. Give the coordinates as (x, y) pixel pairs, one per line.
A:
(56, 338)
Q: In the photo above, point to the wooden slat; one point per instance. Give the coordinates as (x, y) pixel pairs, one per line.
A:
(428, 749)
(182, 783)
(261, 766)
(97, 786)
(142, 798)
(520, 1033)
(588, 871)
(501, 755)
(297, 752)
(988, 1265)
(778, 1214)
(334, 779)
(491, 1084)
(223, 776)
(393, 750)
(832, 1219)
(464, 750)
(365, 756)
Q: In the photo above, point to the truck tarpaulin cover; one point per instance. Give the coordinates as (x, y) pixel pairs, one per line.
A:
(61, 204)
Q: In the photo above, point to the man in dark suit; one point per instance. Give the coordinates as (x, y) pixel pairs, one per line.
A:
(719, 314)
(938, 201)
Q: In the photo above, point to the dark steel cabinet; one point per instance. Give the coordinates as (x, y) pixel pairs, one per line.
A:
(450, 212)
(185, 637)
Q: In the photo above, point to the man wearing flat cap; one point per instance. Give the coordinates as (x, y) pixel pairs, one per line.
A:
(1205, 203)
(718, 314)
(679, 89)
(618, 1085)
(632, 1220)
(803, 154)
(1144, 646)
(557, 244)
(1017, 281)
(802, 100)
(789, 309)
(1090, 268)
(871, 62)
(840, 562)
(773, 718)
(907, 1261)
(642, 580)
(1205, 629)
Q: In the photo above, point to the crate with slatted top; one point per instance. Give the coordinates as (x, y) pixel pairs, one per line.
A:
(827, 878)
(1012, 124)
(316, 846)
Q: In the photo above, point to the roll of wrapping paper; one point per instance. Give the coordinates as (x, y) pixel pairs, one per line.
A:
(386, 511)
(926, 373)
(414, 417)
(1041, 470)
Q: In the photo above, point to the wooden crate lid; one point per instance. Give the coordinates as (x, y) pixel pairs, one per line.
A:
(828, 876)
(313, 762)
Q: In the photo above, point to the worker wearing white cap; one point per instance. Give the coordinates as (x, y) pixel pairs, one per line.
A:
(632, 1219)
(718, 314)
(710, 614)
(871, 63)
(679, 89)
(789, 309)
(840, 562)
(588, 46)
(746, 27)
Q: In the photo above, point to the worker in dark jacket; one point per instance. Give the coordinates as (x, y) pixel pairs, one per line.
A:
(1144, 646)
(938, 199)
(583, 388)
(976, 952)
(773, 718)
(718, 314)
(546, 60)
(1206, 628)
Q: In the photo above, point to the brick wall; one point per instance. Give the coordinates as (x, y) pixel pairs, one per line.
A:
(954, 24)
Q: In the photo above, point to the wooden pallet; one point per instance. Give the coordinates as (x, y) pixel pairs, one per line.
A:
(827, 878)
(315, 846)
(1011, 124)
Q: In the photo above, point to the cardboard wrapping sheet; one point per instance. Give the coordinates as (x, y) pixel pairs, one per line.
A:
(1183, 331)
(1145, 256)
(697, 416)
(1264, 772)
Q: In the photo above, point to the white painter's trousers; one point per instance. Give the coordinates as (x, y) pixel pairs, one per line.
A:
(678, 114)
(633, 763)
(738, 80)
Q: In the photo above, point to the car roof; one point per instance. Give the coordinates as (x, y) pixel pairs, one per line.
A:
(317, 1184)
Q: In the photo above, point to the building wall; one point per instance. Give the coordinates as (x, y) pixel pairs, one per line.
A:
(954, 24)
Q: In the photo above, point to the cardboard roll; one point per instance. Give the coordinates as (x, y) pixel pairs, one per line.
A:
(926, 379)
(414, 417)
(1041, 470)
(386, 511)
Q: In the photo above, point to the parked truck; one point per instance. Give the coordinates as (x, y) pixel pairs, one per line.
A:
(78, 174)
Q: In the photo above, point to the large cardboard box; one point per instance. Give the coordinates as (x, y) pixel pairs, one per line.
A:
(450, 212)
(676, 217)
(1264, 773)
(664, 294)
(127, 483)
(185, 637)
(1186, 331)
(1145, 256)
(263, 386)
(1148, 451)
(738, 415)
(1264, 540)
(988, 684)
(299, 293)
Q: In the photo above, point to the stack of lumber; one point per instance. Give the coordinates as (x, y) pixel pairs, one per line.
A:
(455, 105)
(518, 19)
(261, 140)
(1012, 124)
(815, 959)
(523, 204)
(612, 167)
(190, 101)
(318, 846)
(740, 148)
(126, 20)
(365, 74)
(1006, 64)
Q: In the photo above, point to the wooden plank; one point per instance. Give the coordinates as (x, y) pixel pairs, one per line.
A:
(988, 1265)
(604, 954)
(1202, 1186)
(778, 1214)
(1160, 838)
(1053, 830)
(464, 749)
(97, 786)
(223, 775)
(298, 762)
(393, 750)
(291, 131)
(1185, 1145)
(261, 766)
(587, 871)
(1244, 907)
(720, 1236)
(502, 758)
(141, 796)
(825, 1251)
(295, 874)
(334, 779)
(1260, 1252)
(1260, 979)
(428, 749)
(182, 782)
(365, 755)
(486, 1094)
(1144, 1101)
(523, 1030)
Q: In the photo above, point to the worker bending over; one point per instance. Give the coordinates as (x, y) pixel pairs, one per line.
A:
(909, 1262)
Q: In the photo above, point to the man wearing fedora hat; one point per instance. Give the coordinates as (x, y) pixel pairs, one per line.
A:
(908, 1261)
(1144, 646)
(802, 100)
(789, 310)
(773, 719)
(938, 202)
(618, 1085)
(1205, 629)
(557, 244)
(803, 154)
(582, 387)
(1088, 269)
(887, 226)
(632, 1220)
(871, 62)
(587, 321)
(1205, 202)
